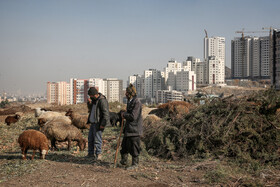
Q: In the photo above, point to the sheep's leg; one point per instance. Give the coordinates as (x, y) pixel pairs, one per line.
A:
(53, 144)
(33, 154)
(23, 152)
(69, 144)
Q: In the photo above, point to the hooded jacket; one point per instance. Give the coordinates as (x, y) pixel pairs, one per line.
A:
(102, 116)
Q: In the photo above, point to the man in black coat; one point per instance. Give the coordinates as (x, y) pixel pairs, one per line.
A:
(133, 128)
(98, 118)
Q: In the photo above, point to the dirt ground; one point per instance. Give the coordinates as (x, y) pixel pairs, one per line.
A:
(72, 173)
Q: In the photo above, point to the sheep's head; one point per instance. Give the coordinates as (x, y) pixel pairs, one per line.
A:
(82, 144)
(69, 113)
(41, 122)
(17, 116)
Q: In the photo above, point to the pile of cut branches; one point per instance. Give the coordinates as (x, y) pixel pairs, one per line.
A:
(246, 128)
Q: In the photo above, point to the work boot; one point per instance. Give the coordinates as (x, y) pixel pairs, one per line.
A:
(98, 157)
(124, 159)
(135, 162)
(90, 156)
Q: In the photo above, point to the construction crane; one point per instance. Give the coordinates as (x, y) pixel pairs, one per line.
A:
(206, 33)
(242, 32)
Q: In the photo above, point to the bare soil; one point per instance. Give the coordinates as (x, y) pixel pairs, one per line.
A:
(73, 173)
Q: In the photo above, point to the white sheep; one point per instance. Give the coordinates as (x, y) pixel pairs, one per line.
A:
(48, 116)
(38, 112)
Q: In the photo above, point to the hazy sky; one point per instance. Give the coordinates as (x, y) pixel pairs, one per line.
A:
(55, 40)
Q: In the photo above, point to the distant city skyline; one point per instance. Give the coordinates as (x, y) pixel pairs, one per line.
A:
(43, 41)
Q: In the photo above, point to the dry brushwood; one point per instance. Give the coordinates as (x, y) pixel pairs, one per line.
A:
(246, 128)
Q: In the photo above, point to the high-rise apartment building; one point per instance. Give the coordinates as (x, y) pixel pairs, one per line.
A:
(214, 46)
(201, 73)
(275, 64)
(250, 57)
(136, 80)
(194, 62)
(214, 56)
(113, 89)
(216, 70)
(153, 81)
(58, 93)
(185, 81)
(265, 58)
(52, 93)
(78, 92)
(97, 83)
(63, 93)
(172, 66)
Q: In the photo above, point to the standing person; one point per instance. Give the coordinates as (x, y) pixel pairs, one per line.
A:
(133, 128)
(98, 118)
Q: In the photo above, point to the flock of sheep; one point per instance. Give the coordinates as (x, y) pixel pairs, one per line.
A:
(54, 126)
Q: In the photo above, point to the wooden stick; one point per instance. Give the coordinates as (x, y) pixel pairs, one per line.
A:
(119, 140)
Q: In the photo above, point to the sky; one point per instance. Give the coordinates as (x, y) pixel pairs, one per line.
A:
(56, 40)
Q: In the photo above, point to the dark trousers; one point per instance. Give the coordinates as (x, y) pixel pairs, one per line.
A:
(131, 145)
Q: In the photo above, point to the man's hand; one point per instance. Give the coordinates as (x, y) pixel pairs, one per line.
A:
(101, 127)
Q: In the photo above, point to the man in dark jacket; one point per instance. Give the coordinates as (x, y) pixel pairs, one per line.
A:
(133, 128)
(98, 118)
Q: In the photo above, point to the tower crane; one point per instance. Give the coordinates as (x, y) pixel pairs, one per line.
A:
(206, 33)
(242, 32)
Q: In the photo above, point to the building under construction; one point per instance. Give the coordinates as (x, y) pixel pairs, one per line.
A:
(275, 67)
(250, 57)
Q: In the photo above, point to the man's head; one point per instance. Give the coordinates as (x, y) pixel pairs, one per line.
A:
(130, 91)
(93, 93)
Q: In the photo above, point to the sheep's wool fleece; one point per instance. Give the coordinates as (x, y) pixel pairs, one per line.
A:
(60, 131)
(33, 139)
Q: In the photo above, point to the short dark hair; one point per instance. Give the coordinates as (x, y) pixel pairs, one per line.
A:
(92, 91)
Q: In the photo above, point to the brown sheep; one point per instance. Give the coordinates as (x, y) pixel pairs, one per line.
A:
(79, 121)
(32, 139)
(60, 131)
(12, 119)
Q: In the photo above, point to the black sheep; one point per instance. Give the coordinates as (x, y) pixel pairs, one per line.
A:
(114, 118)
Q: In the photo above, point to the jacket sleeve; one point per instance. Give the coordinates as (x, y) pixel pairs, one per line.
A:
(104, 109)
(135, 112)
(89, 106)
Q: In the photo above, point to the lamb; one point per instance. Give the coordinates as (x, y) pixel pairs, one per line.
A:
(79, 121)
(47, 116)
(12, 119)
(32, 139)
(56, 130)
